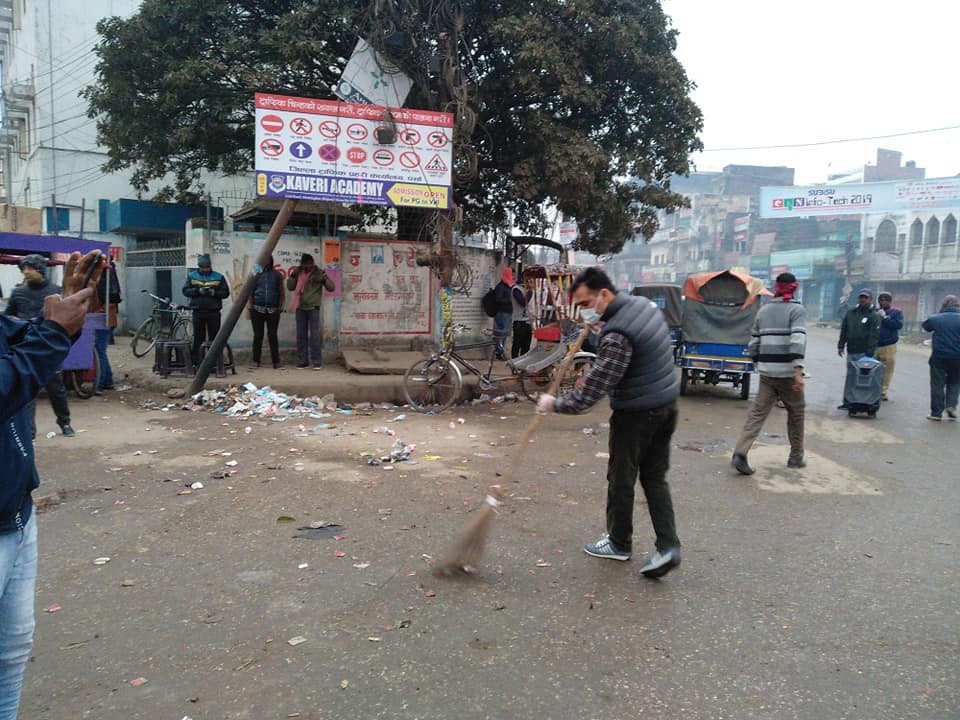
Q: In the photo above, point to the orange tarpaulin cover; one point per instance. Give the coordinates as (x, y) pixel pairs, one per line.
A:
(754, 286)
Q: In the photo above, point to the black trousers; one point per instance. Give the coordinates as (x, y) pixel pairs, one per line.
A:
(522, 334)
(640, 447)
(270, 321)
(58, 400)
(206, 325)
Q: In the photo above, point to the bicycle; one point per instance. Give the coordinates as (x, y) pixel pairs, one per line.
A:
(172, 322)
(433, 384)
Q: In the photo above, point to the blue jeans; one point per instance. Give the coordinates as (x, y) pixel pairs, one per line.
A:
(501, 328)
(101, 339)
(944, 384)
(18, 577)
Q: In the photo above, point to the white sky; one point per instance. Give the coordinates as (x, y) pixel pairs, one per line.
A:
(772, 72)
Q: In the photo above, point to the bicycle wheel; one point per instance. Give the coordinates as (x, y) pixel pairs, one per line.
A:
(145, 337)
(84, 382)
(182, 329)
(532, 384)
(432, 384)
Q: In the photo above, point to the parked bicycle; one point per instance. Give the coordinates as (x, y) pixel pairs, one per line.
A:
(168, 321)
(433, 384)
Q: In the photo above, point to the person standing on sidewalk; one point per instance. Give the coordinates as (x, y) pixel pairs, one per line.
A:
(307, 282)
(27, 303)
(207, 290)
(945, 359)
(522, 330)
(777, 346)
(266, 304)
(502, 294)
(891, 324)
(110, 307)
(634, 366)
(30, 354)
(859, 334)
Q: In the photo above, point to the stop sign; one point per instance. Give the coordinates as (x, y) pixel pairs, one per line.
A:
(356, 155)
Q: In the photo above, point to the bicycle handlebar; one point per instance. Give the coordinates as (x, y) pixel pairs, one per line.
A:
(165, 301)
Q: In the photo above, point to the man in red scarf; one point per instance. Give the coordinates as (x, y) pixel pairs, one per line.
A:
(777, 346)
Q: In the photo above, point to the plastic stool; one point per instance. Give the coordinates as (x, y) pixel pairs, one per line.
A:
(224, 362)
(172, 356)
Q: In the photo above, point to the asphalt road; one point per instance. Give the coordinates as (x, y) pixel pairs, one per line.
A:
(830, 592)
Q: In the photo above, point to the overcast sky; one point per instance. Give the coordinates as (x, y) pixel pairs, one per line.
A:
(771, 72)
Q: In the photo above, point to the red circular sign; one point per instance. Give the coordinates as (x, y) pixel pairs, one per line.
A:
(357, 132)
(409, 159)
(356, 155)
(271, 147)
(437, 139)
(271, 123)
(409, 136)
(329, 128)
(301, 126)
(383, 157)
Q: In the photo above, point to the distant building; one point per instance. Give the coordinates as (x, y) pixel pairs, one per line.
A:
(888, 167)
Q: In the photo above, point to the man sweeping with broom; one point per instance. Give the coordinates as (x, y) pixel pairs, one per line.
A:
(634, 366)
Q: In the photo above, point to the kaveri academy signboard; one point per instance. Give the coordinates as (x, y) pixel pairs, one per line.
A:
(311, 149)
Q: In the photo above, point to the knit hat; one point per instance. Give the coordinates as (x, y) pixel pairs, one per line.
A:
(307, 259)
(37, 262)
(203, 260)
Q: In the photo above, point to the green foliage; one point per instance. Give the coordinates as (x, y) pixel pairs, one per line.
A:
(580, 103)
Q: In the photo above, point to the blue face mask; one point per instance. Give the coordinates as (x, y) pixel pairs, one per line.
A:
(589, 315)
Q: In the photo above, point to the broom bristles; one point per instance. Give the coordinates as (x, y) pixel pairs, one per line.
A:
(467, 550)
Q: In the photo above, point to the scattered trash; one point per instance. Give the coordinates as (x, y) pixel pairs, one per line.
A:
(375, 639)
(344, 684)
(385, 431)
(196, 486)
(185, 491)
(399, 418)
(53, 609)
(137, 682)
(544, 564)
(461, 421)
(339, 554)
(247, 430)
(286, 519)
(303, 566)
(231, 463)
(298, 640)
(51, 435)
(588, 431)
(602, 455)
(361, 565)
(138, 452)
(101, 561)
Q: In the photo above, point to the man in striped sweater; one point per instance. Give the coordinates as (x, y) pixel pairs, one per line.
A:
(777, 347)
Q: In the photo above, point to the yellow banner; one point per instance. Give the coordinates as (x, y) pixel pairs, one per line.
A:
(405, 194)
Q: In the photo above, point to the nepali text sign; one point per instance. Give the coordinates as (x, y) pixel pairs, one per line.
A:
(329, 151)
(384, 292)
(862, 198)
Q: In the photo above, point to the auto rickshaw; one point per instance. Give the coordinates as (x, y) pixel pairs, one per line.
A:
(669, 298)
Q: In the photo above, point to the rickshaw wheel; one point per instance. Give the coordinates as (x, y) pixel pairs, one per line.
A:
(533, 385)
(84, 382)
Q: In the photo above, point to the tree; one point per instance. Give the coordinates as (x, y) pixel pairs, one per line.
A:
(578, 103)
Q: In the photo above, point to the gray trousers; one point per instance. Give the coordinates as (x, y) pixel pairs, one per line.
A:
(309, 337)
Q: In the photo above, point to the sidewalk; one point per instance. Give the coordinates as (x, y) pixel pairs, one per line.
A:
(346, 386)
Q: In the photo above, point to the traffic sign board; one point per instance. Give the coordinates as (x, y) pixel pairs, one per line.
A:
(271, 147)
(409, 159)
(409, 136)
(329, 128)
(300, 149)
(301, 126)
(271, 123)
(356, 155)
(383, 157)
(357, 132)
(330, 153)
(437, 139)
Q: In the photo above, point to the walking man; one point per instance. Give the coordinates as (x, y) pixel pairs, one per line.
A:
(777, 345)
(502, 294)
(27, 303)
(859, 334)
(207, 290)
(945, 359)
(307, 282)
(891, 323)
(30, 354)
(634, 366)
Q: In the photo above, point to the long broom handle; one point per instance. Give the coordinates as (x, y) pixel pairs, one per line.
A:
(552, 390)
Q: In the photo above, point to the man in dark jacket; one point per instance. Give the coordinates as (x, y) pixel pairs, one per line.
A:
(26, 303)
(503, 293)
(945, 359)
(890, 325)
(266, 304)
(30, 353)
(634, 366)
(859, 333)
(207, 290)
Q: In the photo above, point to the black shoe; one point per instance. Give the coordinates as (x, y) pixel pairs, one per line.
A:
(742, 466)
(796, 462)
(277, 366)
(303, 365)
(842, 407)
(67, 430)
